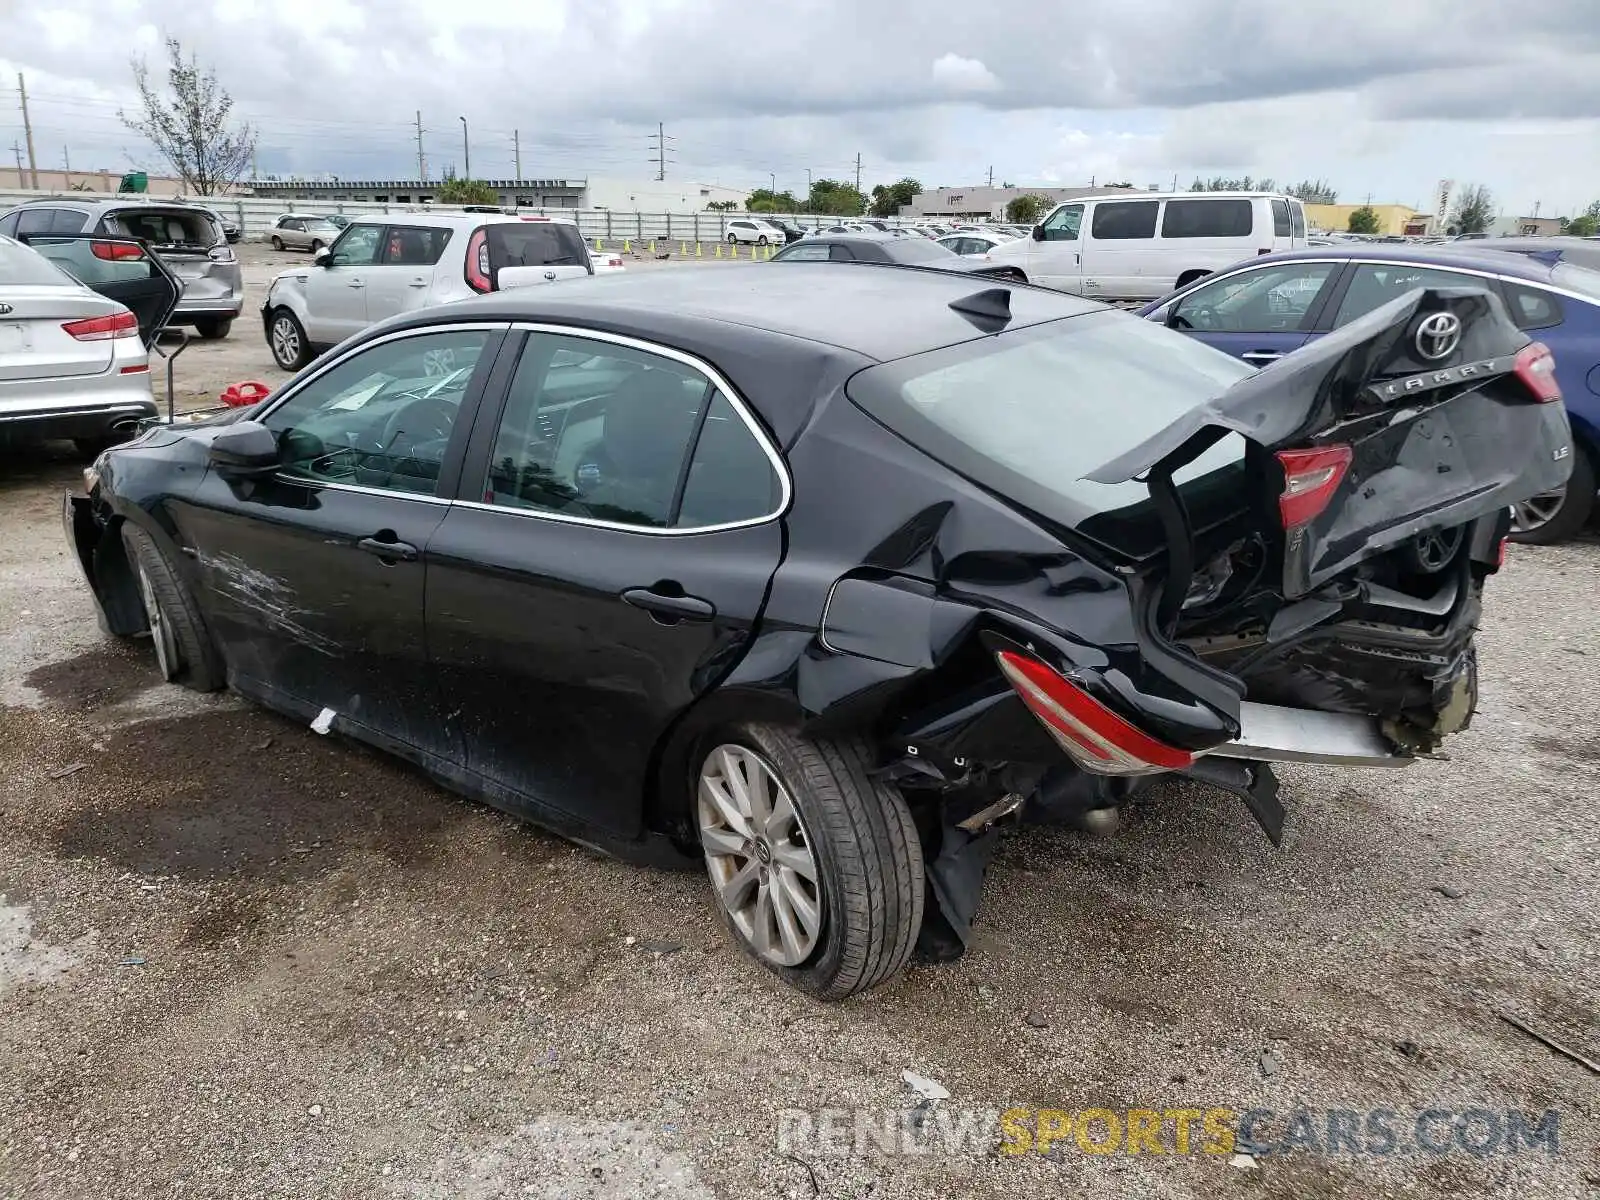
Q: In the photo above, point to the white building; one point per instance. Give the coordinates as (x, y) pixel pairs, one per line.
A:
(658, 196)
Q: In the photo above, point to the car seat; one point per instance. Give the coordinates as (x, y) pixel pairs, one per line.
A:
(631, 472)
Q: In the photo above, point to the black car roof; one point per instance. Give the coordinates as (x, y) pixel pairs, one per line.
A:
(881, 312)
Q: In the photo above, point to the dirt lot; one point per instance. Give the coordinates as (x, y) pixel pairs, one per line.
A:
(238, 959)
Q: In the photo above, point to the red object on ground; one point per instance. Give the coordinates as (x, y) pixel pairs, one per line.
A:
(241, 395)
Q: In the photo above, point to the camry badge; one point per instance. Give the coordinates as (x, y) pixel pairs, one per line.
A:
(4, 308)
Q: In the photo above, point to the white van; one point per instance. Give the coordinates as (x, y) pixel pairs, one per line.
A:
(1142, 246)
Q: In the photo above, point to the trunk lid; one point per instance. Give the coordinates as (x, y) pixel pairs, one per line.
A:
(33, 341)
(1414, 418)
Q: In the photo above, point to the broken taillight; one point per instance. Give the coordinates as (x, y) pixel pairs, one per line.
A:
(1310, 477)
(1536, 367)
(477, 268)
(1096, 738)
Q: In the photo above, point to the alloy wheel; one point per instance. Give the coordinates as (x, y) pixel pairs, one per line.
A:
(758, 854)
(1537, 511)
(160, 632)
(285, 342)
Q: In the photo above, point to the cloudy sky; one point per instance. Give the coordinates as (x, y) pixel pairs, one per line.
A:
(1381, 98)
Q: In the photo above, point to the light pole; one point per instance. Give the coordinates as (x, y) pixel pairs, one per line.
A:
(466, 150)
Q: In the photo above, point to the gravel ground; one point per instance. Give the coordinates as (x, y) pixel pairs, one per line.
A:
(238, 959)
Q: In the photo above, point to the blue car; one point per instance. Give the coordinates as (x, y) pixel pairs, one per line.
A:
(1263, 308)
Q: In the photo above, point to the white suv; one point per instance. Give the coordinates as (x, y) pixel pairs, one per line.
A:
(761, 233)
(381, 266)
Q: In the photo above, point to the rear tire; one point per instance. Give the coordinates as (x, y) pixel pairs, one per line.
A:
(315, 246)
(277, 243)
(214, 329)
(856, 833)
(1536, 524)
(733, 239)
(184, 651)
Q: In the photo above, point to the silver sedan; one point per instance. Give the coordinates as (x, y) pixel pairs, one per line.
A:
(303, 233)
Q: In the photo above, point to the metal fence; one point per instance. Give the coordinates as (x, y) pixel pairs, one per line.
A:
(612, 227)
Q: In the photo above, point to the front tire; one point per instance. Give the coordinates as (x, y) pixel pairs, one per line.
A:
(315, 246)
(277, 243)
(733, 239)
(1556, 516)
(762, 240)
(815, 864)
(214, 329)
(184, 653)
(286, 338)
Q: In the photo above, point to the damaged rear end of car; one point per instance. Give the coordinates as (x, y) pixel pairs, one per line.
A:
(1251, 567)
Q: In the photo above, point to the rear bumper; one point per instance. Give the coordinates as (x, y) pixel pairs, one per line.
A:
(189, 311)
(89, 406)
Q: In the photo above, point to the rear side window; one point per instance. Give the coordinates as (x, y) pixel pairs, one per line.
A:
(1124, 222)
(1031, 412)
(1532, 308)
(1208, 218)
(535, 244)
(1373, 285)
(1281, 224)
(34, 220)
(413, 246)
(1297, 219)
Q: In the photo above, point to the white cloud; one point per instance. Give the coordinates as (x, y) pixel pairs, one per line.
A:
(964, 75)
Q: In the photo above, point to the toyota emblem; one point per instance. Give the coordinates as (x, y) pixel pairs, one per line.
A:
(1438, 336)
(4, 308)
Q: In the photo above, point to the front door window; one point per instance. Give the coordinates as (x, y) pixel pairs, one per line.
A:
(1274, 299)
(1063, 224)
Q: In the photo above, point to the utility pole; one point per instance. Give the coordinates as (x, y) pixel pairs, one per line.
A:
(516, 146)
(858, 172)
(27, 129)
(66, 161)
(16, 149)
(466, 151)
(991, 176)
(422, 161)
(662, 138)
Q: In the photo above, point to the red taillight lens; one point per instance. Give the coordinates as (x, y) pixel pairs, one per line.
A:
(1536, 367)
(1310, 477)
(477, 268)
(1096, 738)
(103, 329)
(114, 251)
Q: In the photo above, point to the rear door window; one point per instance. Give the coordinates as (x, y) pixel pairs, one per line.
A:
(598, 431)
(1297, 219)
(413, 246)
(1372, 285)
(1126, 221)
(35, 221)
(1208, 219)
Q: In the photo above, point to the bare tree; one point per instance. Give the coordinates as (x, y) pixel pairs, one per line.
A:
(192, 130)
(1474, 211)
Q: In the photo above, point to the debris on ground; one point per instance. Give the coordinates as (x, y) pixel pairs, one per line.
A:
(1244, 1162)
(69, 770)
(927, 1089)
(656, 946)
(1547, 1040)
(324, 721)
(1037, 1021)
(1448, 892)
(1269, 1064)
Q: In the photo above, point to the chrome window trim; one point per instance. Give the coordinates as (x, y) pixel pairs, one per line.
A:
(1475, 272)
(305, 380)
(738, 403)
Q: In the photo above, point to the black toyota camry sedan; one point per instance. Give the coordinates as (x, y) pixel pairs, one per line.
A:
(819, 575)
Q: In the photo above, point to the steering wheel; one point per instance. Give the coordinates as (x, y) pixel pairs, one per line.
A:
(428, 420)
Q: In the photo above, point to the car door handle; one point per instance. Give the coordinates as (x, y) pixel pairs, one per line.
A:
(355, 283)
(1261, 356)
(419, 283)
(388, 549)
(667, 608)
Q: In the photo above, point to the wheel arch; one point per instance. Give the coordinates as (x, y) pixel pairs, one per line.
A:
(1192, 275)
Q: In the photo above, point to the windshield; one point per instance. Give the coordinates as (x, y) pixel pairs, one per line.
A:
(904, 250)
(1029, 413)
(1577, 279)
